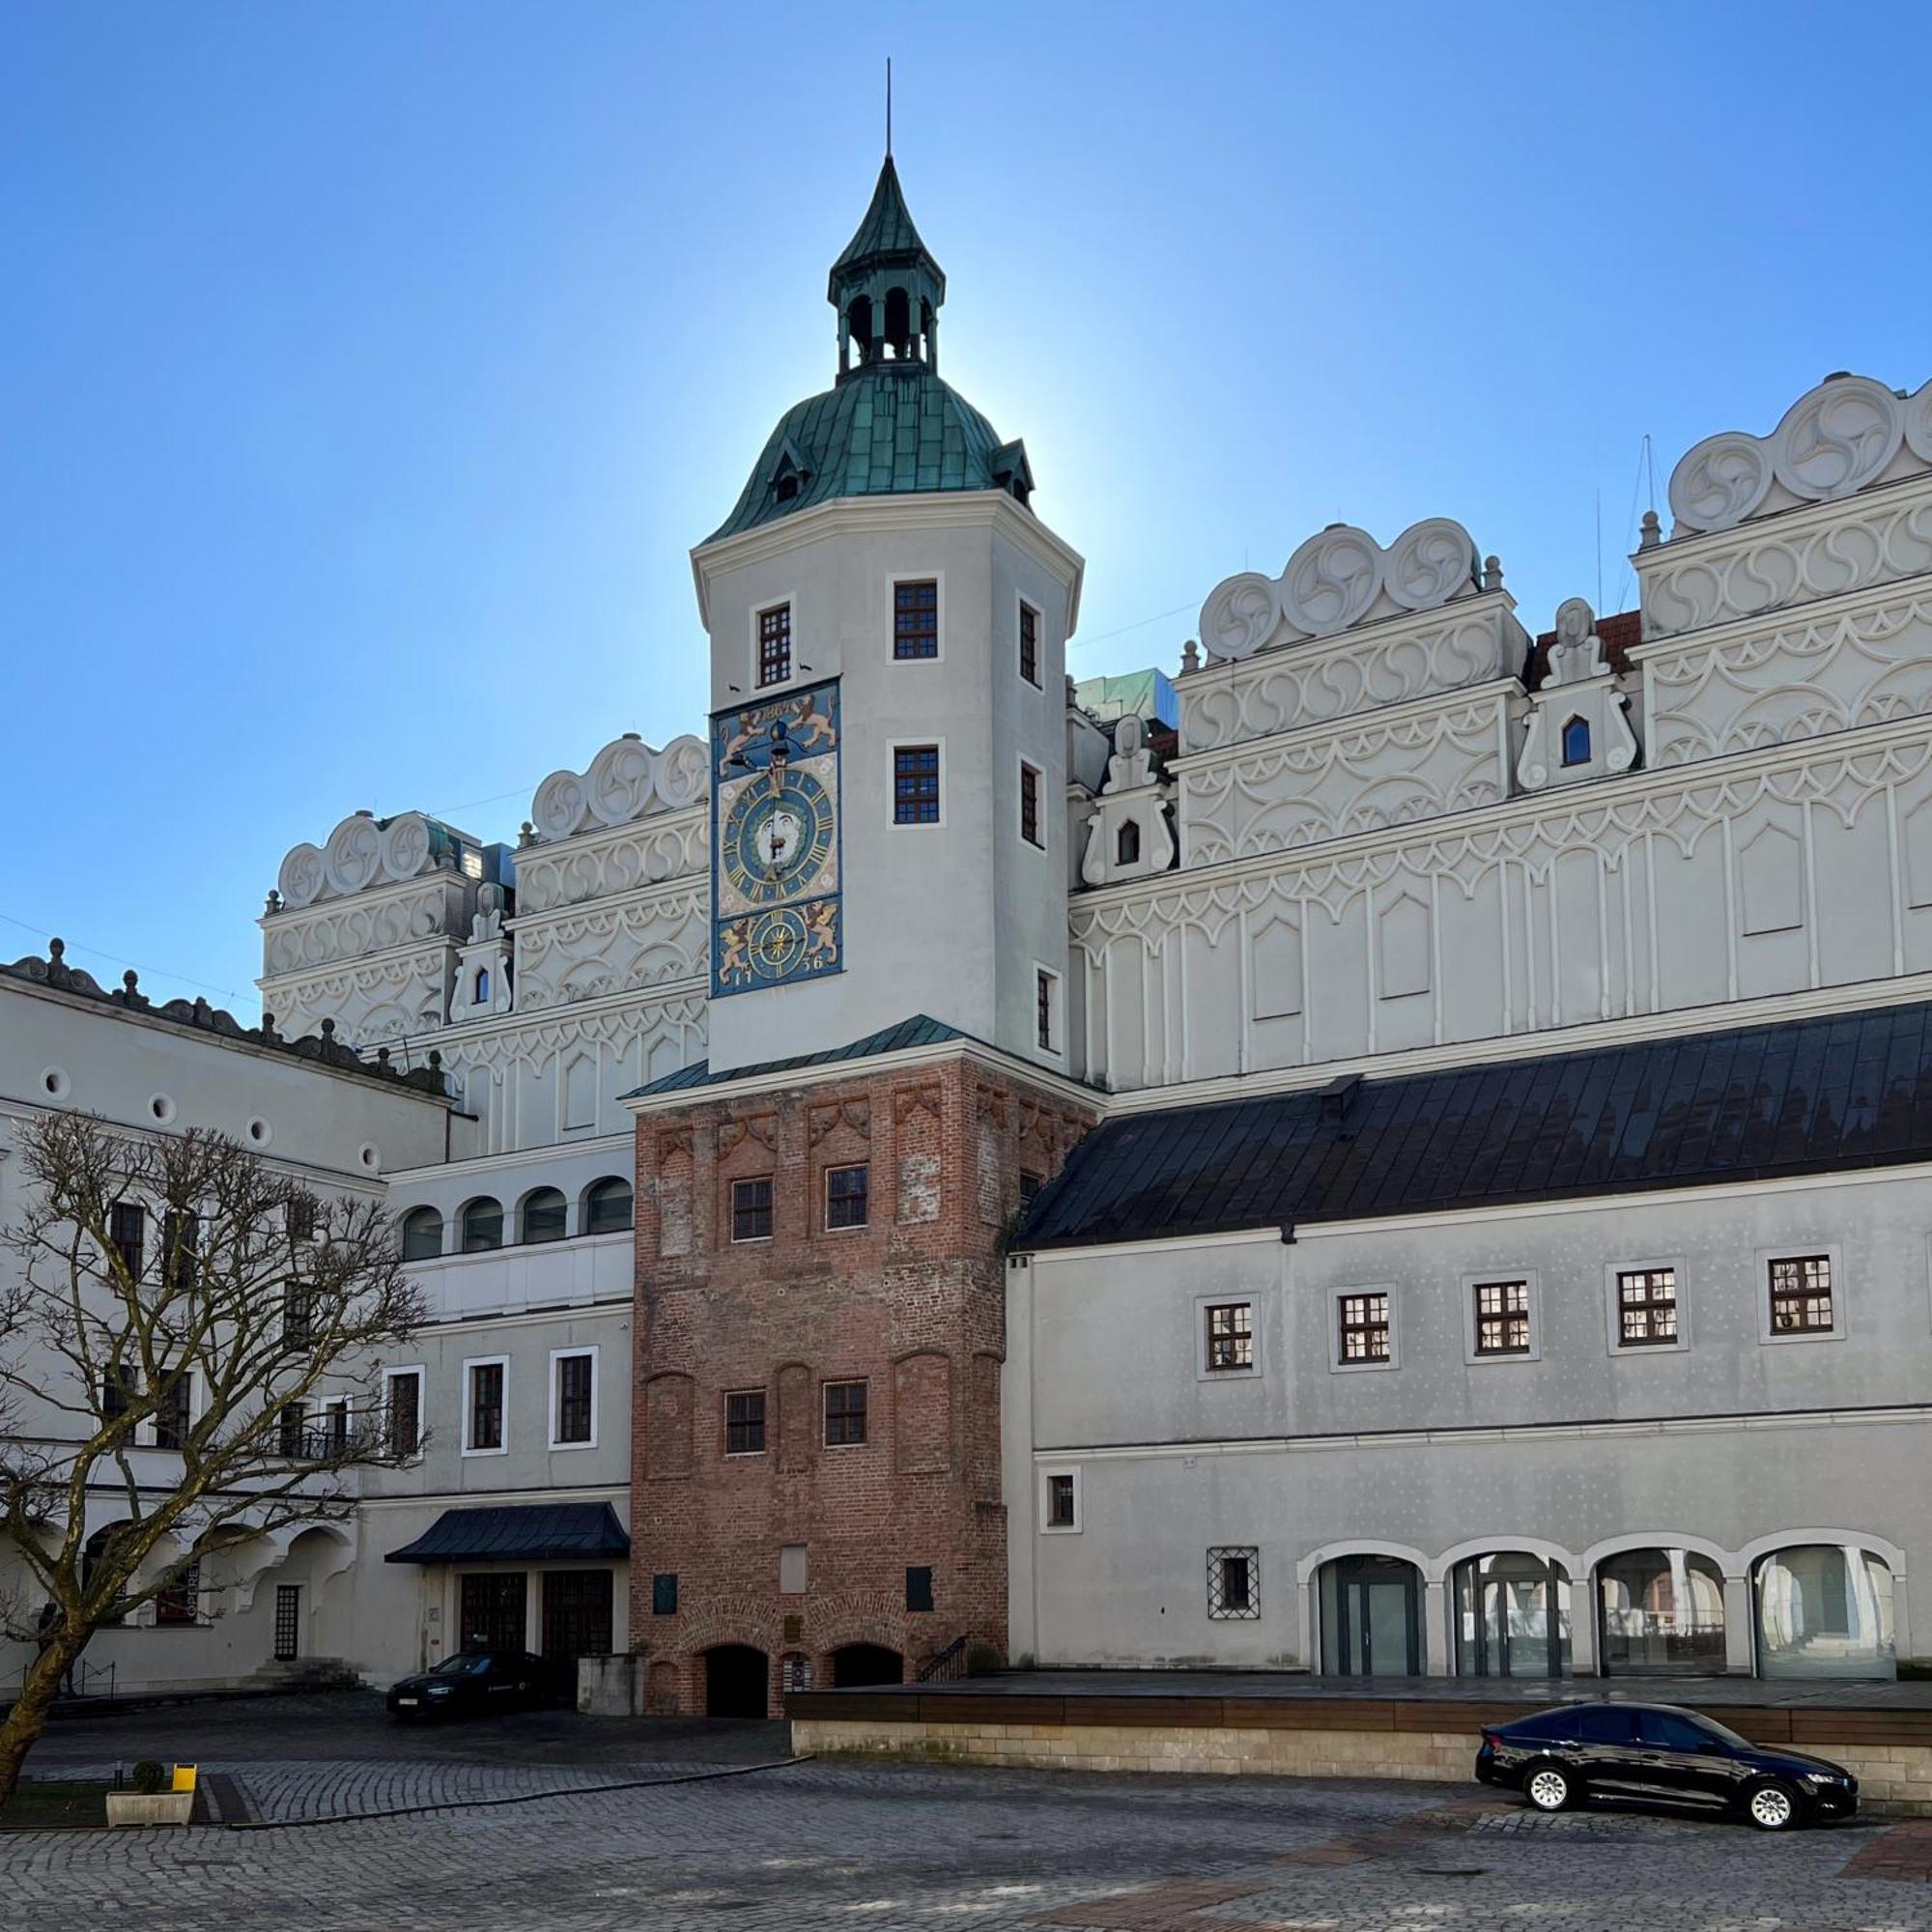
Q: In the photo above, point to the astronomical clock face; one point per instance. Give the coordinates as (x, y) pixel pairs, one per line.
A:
(776, 911)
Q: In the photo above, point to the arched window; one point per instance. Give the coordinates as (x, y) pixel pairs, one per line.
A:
(1128, 843)
(606, 1205)
(543, 1215)
(1576, 742)
(1823, 1609)
(1371, 1612)
(899, 322)
(97, 1548)
(482, 985)
(1661, 1609)
(422, 1234)
(482, 1225)
(858, 321)
(1512, 1616)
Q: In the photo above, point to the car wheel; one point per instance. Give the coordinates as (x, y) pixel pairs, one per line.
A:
(1549, 1789)
(1772, 1807)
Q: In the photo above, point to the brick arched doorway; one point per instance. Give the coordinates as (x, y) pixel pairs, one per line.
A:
(866, 1663)
(737, 1681)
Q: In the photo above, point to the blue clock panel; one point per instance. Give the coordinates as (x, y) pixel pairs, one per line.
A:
(776, 898)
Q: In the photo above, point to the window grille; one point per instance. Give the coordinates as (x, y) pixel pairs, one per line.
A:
(1234, 1581)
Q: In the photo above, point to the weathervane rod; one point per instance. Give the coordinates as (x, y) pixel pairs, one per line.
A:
(888, 107)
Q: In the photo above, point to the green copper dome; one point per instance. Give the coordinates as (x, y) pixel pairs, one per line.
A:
(889, 425)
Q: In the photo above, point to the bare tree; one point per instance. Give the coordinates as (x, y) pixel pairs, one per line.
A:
(256, 1293)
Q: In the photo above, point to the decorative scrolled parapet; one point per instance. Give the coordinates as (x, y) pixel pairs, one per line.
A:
(626, 780)
(1338, 579)
(362, 852)
(1836, 439)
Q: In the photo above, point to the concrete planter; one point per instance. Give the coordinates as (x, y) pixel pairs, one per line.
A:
(612, 1687)
(157, 1807)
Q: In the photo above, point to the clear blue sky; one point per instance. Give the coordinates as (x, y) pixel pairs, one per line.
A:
(368, 368)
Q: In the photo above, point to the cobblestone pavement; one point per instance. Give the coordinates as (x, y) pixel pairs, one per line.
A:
(849, 1843)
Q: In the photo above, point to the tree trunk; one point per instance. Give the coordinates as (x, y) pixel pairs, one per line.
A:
(28, 1717)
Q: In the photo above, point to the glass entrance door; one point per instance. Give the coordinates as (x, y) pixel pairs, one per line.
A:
(1512, 1616)
(492, 1611)
(1370, 1622)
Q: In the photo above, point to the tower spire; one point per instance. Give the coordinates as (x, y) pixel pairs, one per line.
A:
(888, 107)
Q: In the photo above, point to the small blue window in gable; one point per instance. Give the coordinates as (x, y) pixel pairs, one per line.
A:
(483, 984)
(1576, 742)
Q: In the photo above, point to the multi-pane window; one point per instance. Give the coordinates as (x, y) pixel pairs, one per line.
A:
(127, 1229)
(486, 1406)
(172, 1407)
(402, 1417)
(775, 644)
(181, 1602)
(915, 620)
(1030, 806)
(745, 1423)
(300, 1216)
(844, 1414)
(1230, 1335)
(606, 1206)
(1029, 643)
(1502, 1317)
(1061, 1502)
(1646, 1307)
(1234, 1581)
(1801, 1295)
(848, 1203)
(297, 1316)
(291, 1430)
(1042, 1010)
(752, 1210)
(915, 784)
(1365, 1327)
(575, 1380)
(335, 1432)
(181, 1240)
(1030, 1186)
(117, 1394)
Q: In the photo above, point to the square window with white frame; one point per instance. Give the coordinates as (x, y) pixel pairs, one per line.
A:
(1802, 1294)
(1234, 1581)
(1646, 1307)
(1363, 1331)
(1500, 1318)
(1230, 1336)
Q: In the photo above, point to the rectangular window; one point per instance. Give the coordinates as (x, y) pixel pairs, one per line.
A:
(1646, 1307)
(486, 1406)
(1801, 1295)
(919, 1588)
(575, 1412)
(297, 1316)
(1030, 806)
(1231, 1336)
(664, 1594)
(1029, 643)
(1502, 1317)
(181, 1602)
(402, 1415)
(1235, 1582)
(844, 1414)
(1043, 1011)
(127, 1229)
(1030, 1186)
(775, 644)
(292, 1431)
(915, 784)
(1365, 1327)
(848, 1203)
(117, 1394)
(1061, 1503)
(335, 1437)
(745, 1423)
(915, 620)
(173, 1409)
(181, 1242)
(752, 1210)
(300, 1212)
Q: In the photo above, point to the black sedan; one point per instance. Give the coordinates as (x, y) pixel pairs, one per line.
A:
(477, 1680)
(1664, 1753)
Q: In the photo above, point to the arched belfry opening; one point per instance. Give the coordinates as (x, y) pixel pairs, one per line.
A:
(887, 288)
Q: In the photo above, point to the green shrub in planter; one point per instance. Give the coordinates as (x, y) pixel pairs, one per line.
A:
(147, 1778)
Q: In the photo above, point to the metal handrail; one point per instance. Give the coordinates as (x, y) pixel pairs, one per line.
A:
(950, 1663)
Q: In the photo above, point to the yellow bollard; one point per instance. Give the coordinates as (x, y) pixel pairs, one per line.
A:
(185, 1777)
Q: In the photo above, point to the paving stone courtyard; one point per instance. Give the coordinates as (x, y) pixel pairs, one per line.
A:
(343, 1823)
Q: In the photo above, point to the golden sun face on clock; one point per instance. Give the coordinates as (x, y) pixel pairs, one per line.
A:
(777, 839)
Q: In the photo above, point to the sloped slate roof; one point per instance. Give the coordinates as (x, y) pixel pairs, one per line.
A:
(1803, 1097)
(918, 1030)
(887, 429)
(532, 1532)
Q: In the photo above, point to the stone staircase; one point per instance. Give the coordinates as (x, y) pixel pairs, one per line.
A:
(306, 1673)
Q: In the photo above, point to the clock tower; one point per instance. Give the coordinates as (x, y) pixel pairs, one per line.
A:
(817, 1483)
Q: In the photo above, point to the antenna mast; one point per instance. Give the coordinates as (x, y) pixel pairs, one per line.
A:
(888, 107)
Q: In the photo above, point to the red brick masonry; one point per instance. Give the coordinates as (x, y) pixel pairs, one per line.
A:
(912, 1305)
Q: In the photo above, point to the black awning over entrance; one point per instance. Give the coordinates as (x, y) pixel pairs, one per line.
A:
(529, 1533)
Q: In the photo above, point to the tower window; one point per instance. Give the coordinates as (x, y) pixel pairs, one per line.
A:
(916, 784)
(1128, 843)
(915, 620)
(1046, 1020)
(785, 489)
(1576, 742)
(1029, 643)
(1030, 806)
(482, 985)
(775, 644)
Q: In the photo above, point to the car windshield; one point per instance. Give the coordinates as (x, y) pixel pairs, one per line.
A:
(466, 1664)
(1725, 1731)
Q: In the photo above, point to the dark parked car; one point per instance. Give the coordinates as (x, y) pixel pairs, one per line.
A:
(478, 1680)
(1663, 1752)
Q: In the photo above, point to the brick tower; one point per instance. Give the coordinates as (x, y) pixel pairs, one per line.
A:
(816, 1457)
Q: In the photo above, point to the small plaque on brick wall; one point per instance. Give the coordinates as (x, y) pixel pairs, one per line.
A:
(794, 1629)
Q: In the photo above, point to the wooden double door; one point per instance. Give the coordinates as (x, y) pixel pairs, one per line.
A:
(575, 1608)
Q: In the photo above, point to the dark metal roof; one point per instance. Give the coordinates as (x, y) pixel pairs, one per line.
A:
(1803, 1097)
(918, 1030)
(885, 238)
(525, 1532)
